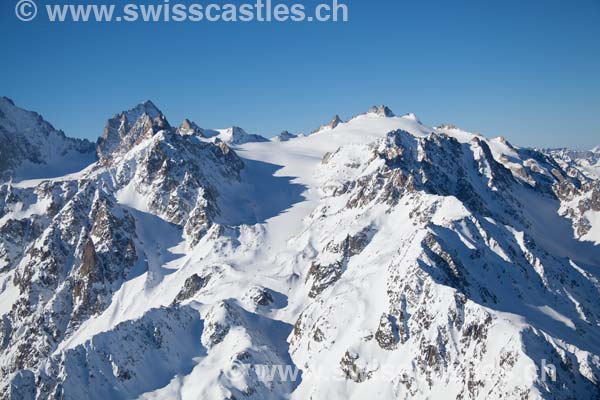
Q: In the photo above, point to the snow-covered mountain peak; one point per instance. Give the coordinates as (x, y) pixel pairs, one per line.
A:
(22, 122)
(30, 147)
(147, 107)
(284, 136)
(129, 128)
(412, 117)
(189, 128)
(382, 111)
(237, 136)
(334, 123)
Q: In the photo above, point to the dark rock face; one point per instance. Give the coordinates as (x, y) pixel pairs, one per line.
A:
(261, 296)
(452, 269)
(14, 238)
(388, 332)
(88, 261)
(323, 276)
(285, 136)
(91, 273)
(129, 128)
(191, 287)
(430, 355)
(382, 111)
(220, 321)
(351, 370)
(335, 121)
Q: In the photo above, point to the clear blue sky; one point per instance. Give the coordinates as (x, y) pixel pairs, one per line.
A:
(528, 70)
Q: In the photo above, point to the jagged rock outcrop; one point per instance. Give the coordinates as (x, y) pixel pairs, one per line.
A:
(260, 296)
(323, 275)
(65, 278)
(350, 366)
(388, 333)
(284, 137)
(334, 123)
(129, 128)
(382, 111)
(188, 127)
(191, 287)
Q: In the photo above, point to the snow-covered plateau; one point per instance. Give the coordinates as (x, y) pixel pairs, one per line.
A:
(373, 258)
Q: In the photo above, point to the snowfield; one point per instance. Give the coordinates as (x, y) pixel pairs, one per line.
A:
(374, 257)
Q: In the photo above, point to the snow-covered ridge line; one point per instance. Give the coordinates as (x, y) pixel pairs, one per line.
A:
(30, 147)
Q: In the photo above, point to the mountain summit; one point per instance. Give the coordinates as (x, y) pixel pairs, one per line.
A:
(30, 147)
(128, 128)
(382, 111)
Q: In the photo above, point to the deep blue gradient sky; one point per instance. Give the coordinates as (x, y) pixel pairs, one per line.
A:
(528, 70)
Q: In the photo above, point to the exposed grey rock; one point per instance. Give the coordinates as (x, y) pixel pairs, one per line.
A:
(284, 136)
(260, 296)
(382, 111)
(129, 128)
(323, 276)
(388, 333)
(188, 127)
(191, 287)
(335, 121)
(351, 370)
